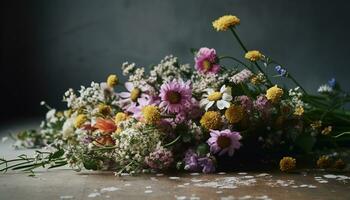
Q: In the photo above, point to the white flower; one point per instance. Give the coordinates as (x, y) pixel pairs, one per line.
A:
(222, 98)
(68, 128)
(325, 89)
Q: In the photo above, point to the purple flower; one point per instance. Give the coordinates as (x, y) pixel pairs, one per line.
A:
(160, 159)
(206, 61)
(191, 160)
(175, 96)
(208, 164)
(245, 102)
(332, 83)
(263, 105)
(225, 141)
(281, 71)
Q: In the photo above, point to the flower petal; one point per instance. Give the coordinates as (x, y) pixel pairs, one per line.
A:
(222, 104)
(210, 104)
(227, 97)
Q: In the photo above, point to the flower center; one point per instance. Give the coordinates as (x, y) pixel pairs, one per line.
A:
(215, 96)
(223, 142)
(206, 65)
(135, 94)
(174, 97)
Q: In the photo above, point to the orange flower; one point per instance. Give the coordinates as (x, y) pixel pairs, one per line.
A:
(105, 125)
(105, 140)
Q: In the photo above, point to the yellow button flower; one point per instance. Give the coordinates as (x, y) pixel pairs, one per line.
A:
(327, 130)
(274, 94)
(119, 117)
(234, 114)
(80, 120)
(104, 109)
(112, 80)
(151, 114)
(287, 164)
(253, 55)
(211, 120)
(225, 22)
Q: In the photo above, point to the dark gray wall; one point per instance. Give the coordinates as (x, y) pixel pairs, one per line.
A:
(49, 46)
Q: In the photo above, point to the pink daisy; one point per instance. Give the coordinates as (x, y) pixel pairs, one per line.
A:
(175, 96)
(206, 61)
(131, 98)
(224, 141)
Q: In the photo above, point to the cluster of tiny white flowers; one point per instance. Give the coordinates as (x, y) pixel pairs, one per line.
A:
(89, 97)
(133, 145)
(168, 69)
(195, 130)
(128, 68)
(325, 89)
(201, 82)
(296, 97)
(51, 116)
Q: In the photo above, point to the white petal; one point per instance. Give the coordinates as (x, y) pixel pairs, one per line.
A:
(222, 104)
(203, 102)
(210, 90)
(124, 95)
(129, 86)
(227, 97)
(223, 89)
(210, 104)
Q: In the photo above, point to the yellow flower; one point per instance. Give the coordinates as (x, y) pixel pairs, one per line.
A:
(80, 120)
(327, 130)
(234, 114)
(112, 80)
(287, 164)
(119, 117)
(225, 22)
(274, 94)
(257, 79)
(299, 111)
(323, 162)
(339, 164)
(316, 124)
(211, 120)
(253, 55)
(104, 109)
(151, 114)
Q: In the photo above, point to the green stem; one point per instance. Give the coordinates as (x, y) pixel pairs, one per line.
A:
(296, 83)
(246, 50)
(341, 134)
(173, 142)
(235, 59)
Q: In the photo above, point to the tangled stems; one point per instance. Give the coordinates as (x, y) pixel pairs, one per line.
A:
(246, 50)
(234, 59)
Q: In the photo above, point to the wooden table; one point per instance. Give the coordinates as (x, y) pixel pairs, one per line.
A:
(64, 183)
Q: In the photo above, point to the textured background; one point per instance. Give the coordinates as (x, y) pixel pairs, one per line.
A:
(49, 46)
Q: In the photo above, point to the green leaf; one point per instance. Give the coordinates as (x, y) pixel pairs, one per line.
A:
(305, 142)
(59, 153)
(202, 149)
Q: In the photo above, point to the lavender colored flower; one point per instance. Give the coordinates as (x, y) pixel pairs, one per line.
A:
(281, 71)
(160, 159)
(262, 103)
(245, 102)
(206, 61)
(225, 141)
(176, 96)
(191, 160)
(332, 83)
(208, 164)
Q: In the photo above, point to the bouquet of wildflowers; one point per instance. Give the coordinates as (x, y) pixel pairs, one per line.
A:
(206, 117)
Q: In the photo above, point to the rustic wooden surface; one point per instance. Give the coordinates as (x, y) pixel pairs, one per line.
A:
(64, 183)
